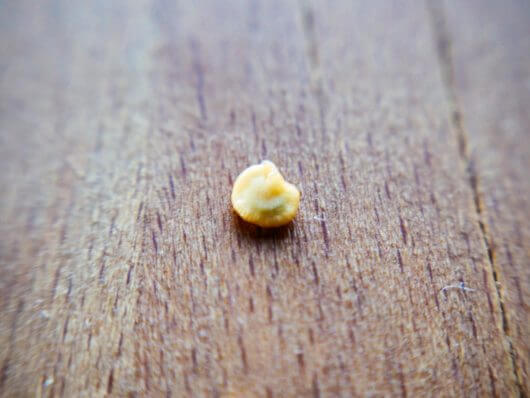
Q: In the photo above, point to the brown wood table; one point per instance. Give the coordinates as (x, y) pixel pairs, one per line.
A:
(124, 272)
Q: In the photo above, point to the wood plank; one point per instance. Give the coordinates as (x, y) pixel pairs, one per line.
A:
(124, 270)
(489, 50)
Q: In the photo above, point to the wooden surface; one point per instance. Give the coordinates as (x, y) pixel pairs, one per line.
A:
(124, 271)
(496, 48)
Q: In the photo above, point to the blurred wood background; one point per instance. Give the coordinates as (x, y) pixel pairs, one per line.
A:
(123, 270)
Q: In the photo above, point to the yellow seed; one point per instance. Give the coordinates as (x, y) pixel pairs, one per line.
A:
(261, 196)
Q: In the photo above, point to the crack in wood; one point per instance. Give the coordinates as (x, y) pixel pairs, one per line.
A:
(442, 42)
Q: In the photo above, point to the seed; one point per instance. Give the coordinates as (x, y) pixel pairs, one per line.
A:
(261, 196)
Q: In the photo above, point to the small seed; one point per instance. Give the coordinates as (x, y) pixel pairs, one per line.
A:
(261, 196)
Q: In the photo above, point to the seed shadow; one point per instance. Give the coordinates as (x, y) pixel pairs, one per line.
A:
(265, 247)
(251, 232)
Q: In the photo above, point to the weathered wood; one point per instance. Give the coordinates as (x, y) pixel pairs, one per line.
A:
(488, 49)
(124, 270)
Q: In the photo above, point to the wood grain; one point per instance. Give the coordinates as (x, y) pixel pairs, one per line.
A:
(488, 49)
(124, 270)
